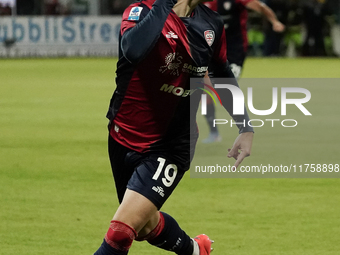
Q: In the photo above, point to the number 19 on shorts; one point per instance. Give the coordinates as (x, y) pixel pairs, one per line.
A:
(170, 172)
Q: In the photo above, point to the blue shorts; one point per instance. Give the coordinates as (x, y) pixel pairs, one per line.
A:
(153, 175)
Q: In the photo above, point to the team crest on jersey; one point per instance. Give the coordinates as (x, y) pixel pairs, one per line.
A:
(135, 13)
(209, 36)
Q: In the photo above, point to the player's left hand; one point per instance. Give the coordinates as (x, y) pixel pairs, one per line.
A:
(241, 147)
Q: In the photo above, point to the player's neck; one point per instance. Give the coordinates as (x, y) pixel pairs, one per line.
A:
(184, 8)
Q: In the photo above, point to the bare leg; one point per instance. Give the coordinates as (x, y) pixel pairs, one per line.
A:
(138, 212)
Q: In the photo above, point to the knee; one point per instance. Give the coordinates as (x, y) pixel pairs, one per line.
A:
(120, 235)
(152, 229)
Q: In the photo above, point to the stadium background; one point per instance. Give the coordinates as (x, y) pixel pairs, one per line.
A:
(57, 193)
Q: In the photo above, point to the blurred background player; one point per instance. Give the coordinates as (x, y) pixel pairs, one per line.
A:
(315, 12)
(272, 45)
(234, 15)
(153, 130)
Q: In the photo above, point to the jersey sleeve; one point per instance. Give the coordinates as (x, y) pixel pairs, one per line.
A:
(219, 68)
(141, 27)
(132, 15)
(219, 65)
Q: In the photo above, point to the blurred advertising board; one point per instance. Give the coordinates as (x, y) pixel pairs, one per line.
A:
(50, 36)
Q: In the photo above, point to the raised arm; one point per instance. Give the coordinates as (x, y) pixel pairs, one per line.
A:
(140, 34)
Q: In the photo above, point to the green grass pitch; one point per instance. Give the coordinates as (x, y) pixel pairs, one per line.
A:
(57, 193)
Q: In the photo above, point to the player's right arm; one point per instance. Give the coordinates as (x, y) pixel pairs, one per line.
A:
(140, 33)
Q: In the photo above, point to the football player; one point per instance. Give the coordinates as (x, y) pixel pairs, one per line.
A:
(152, 135)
